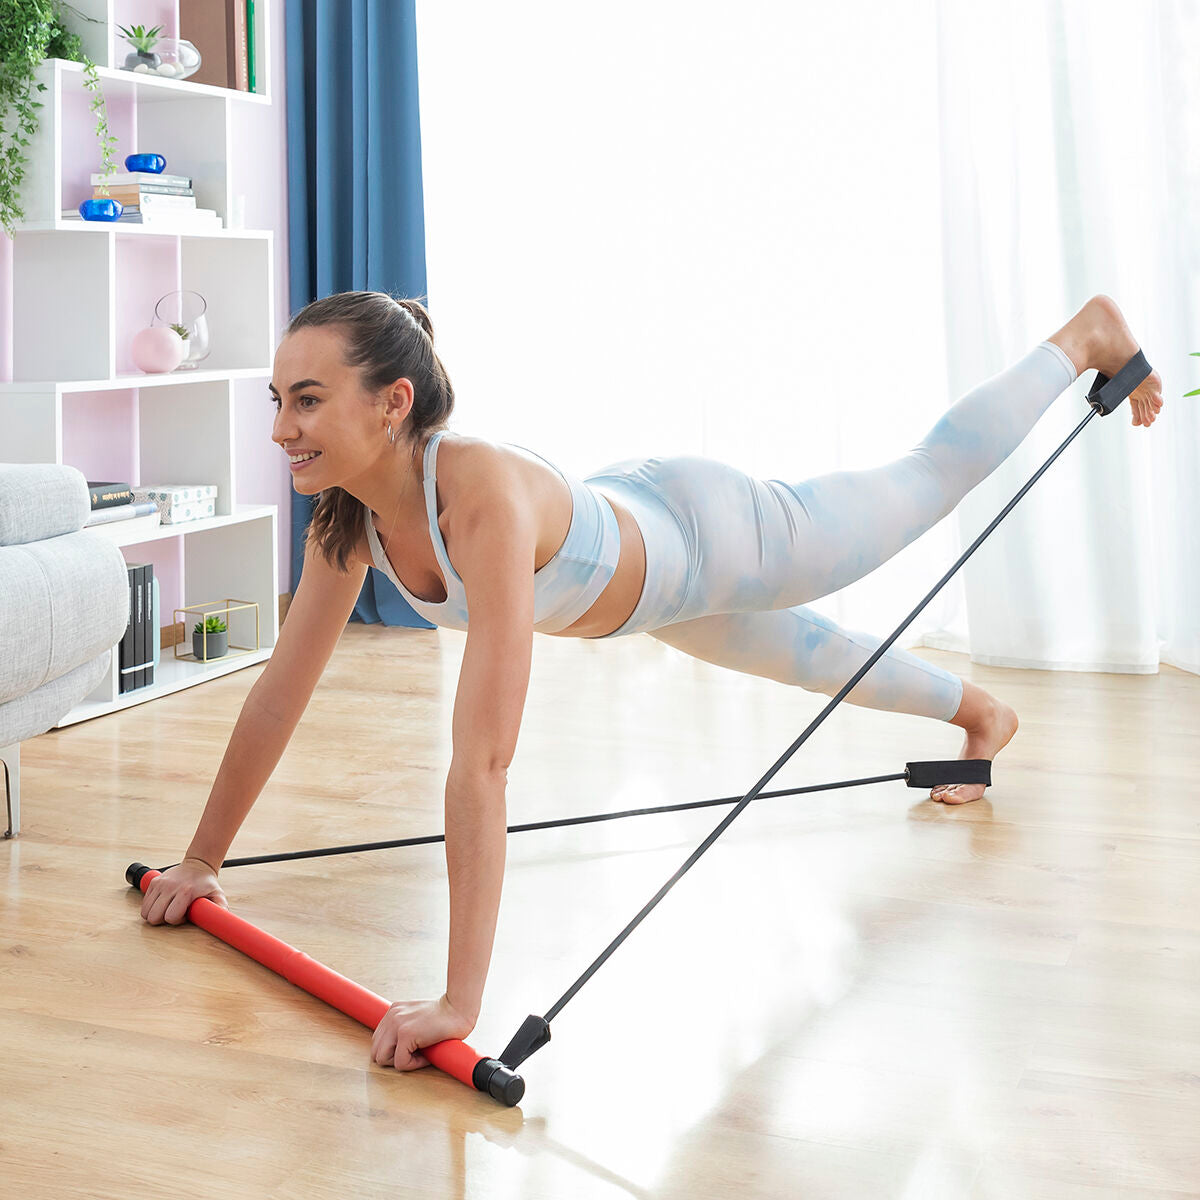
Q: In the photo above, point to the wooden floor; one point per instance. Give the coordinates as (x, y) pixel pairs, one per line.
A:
(855, 994)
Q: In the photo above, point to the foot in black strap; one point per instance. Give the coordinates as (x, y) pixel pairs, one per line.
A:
(993, 729)
(1122, 370)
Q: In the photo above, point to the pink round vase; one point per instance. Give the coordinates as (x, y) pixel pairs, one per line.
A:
(157, 350)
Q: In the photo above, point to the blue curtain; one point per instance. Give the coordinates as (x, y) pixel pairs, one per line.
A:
(355, 205)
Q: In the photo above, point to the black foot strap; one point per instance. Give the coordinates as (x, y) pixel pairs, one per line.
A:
(956, 770)
(1107, 394)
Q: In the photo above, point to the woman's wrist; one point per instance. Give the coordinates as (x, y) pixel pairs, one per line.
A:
(189, 857)
(467, 1015)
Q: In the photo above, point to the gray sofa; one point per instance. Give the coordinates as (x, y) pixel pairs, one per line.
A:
(64, 605)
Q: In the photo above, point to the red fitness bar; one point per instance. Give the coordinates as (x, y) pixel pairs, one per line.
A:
(452, 1056)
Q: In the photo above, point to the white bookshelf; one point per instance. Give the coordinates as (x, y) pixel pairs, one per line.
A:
(171, 675)
(71, 280)
(233, 556)
(115, 530)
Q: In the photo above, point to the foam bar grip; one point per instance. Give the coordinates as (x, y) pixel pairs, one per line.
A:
(956, 770)
(454, 1057)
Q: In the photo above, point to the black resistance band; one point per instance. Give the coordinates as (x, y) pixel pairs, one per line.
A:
(1104, 397)
(915, 774)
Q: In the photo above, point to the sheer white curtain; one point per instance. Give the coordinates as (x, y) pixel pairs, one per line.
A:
(663, 228)
(1070, 167)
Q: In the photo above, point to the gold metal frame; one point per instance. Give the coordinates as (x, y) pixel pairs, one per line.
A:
(210, 607)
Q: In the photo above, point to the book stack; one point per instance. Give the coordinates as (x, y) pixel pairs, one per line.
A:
(136, 657)
(160, 202)
(119, 514)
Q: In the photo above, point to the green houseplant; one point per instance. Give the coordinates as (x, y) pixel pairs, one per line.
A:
(214, 630)
(142, 40)
(32, 31)
(1195, 354)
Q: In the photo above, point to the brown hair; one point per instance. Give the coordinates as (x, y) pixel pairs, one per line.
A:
(387, 338)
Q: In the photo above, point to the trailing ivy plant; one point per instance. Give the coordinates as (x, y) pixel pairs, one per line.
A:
(32, 31)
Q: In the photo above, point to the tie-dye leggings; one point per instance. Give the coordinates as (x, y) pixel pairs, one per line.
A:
(731, 560)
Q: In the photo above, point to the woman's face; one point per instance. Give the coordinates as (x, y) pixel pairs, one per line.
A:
(322, 412)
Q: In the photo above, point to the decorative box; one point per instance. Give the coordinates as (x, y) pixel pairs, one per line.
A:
(180, 502)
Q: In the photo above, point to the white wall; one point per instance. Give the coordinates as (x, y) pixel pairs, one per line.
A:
(676, 228)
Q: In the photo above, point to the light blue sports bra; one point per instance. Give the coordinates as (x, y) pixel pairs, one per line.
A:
(563, 589)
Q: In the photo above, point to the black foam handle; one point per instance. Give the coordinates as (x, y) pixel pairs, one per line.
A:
(955, 770)
(1107, 394)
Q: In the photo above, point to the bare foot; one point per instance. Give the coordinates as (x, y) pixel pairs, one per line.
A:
(1098, 338)
(985, 738)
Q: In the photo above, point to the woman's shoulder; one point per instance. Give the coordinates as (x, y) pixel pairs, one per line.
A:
(468, 469)
(467, 465)
(484, 482)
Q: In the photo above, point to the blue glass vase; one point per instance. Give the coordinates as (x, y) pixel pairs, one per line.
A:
(152, 164)
(103, 208)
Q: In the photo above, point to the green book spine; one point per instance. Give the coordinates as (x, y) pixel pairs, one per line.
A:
(250, 43)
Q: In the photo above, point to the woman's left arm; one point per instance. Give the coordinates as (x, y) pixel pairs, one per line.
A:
(495, 540)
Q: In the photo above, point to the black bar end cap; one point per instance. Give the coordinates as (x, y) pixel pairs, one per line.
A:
(134, 873)
(956, 770)
(533, 1035)
(499, 1081)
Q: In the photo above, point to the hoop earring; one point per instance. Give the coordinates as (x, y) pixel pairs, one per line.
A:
(391, 436)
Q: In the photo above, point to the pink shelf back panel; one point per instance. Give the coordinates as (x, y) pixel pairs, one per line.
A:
(147, 269)
(100, 435)
(82, 152)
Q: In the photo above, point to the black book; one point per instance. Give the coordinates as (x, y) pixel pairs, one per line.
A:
(133, 656)
(148, 627)
(126, 656)
(108, 495)
(141, 626)
(151, 625)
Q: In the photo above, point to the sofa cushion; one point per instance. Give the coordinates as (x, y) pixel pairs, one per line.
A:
(41, 500)
(63, 601)
(29, 715)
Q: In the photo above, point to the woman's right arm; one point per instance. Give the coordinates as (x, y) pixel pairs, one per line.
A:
(315, 620)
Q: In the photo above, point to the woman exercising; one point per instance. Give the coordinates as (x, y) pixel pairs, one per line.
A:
(699, 555)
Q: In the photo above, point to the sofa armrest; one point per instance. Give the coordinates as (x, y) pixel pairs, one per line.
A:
(41, 500)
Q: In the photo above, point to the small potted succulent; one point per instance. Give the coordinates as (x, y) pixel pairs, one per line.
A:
(142, 40)
(214, 632)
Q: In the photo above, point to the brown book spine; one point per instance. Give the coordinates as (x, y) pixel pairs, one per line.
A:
(239, 56)
(210, 26)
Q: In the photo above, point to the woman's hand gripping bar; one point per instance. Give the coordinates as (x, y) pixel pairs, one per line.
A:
(452, 1056)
